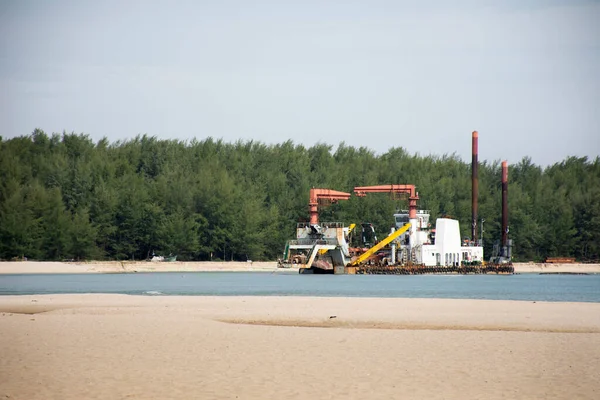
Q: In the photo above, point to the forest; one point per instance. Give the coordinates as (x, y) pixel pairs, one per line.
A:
(64, 197)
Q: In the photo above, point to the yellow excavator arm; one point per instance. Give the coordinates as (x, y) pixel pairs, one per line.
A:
(363, 257)
(351, 228)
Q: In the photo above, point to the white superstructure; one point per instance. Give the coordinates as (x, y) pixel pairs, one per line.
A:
(430, 247)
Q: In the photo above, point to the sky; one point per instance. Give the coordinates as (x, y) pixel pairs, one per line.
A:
(421, 75)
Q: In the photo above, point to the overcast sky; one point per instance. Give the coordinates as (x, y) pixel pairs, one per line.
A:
(415, 74)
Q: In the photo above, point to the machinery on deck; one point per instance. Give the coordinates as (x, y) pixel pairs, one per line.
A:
(412, 247)
(365, 256)
(319, 247)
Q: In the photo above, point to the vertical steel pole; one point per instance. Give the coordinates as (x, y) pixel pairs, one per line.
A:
(504, 204)
(474, 186)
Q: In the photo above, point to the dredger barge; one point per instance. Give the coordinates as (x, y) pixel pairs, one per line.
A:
(412, 247)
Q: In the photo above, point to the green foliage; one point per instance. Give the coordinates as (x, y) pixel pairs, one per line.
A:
(65, 197)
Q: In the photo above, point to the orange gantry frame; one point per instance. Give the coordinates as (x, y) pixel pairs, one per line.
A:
(411, 190)
(318, 196)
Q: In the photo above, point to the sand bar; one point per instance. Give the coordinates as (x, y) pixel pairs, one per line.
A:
(118, 346)
(52, 267)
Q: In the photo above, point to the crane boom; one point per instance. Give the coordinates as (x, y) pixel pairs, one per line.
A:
(318, 195)
(411, 190)
(380, 245)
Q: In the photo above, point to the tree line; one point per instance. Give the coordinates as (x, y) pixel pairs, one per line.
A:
(62, 196)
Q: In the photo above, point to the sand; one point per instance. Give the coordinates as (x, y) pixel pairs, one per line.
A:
(546, 268)
(53, 267)
(136, 347)
(50, 267)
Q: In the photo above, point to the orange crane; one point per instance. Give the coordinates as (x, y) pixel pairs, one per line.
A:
(319, 197)
(411, 190)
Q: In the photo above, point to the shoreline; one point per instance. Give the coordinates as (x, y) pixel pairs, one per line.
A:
(97, 346)
(116, 267)
(104, 267)
(551, 268)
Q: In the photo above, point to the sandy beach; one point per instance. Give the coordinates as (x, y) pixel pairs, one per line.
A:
(113, 267)
(549, 268)
(168, 347)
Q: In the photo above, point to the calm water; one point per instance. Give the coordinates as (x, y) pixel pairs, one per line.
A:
(584, 288)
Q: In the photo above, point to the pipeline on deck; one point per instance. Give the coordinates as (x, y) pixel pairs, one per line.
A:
(423, 269)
